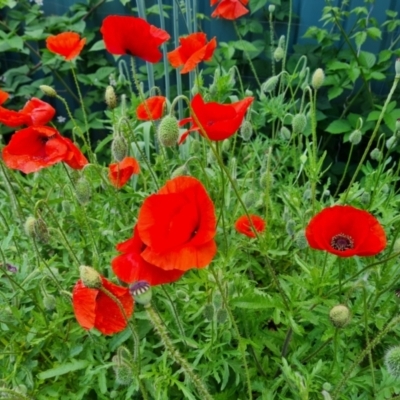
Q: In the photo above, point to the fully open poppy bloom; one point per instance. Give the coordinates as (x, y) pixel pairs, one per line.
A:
(193, 49)
(244, 226)
(133, 36)
(120, 173)
(95, 309)
(66, 44)
(220, 121)
(178, 226)
(37, 147)
(154, 105)
(230, 9)
(346, 231)
(131, 267)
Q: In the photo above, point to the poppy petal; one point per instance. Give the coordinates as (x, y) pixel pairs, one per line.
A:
(154, 105)
(66, 44)
(84, 302)
(120, 173)
(244, 226)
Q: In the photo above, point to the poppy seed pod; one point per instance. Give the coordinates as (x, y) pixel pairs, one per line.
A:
(48, 90)
(110, 97)
(392, 361)
(168, 131)
(90, 277)
(270, 84)
(141, 292)
(339, 316)
(119, 148)
(246, 130)
(299, 123)
(318, 78)
(355, 137)
(83, 191)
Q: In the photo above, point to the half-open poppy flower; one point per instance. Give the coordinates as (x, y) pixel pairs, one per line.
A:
(131, 267)
(66, 44)
(244, 226)
(219, 121)
(120, 173)
(193, 49)
(178, 226)
(230, 9)
(151, 109)
(95, 309)
(37, 147)
(133, 36)
(346, 231)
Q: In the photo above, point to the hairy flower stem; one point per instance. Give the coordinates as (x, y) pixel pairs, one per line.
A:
(271, 45)
(345, 171)
(367, 341)
(360, 357)
(372, 138)
(175, 354)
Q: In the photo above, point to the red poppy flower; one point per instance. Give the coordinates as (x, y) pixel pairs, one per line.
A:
(133, 36)
(346, 231)
(120, 173)
(3, 96)
(35, 112)
(244, 226)
(153, 105)
(95, 309)
(230, 9)
(220, 121)
(193, 49)
(178, 226)
(132, 267)
(37, 147)
(66, 44)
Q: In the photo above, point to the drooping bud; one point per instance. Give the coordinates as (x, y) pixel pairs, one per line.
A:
(90, 277)
(217, 301)
(301, 240)
(249, 198)
(246, 130)
(168, 131)
(29, 226)
(365, 198)
(222, 315)
(119, 148)
(226, 145)
(48, 90)
(266, 180)
(49, 302)
(83, 191)
(270, 84)
(290, 227)
(279, 53)
(123, 374)
(392, 361)
(141, 292)
(318, 78)
(355, 137)
(110, 97)
(339, 315)
(299, 122)
(209, 311)
(284, 133)
(180, 171)
(376, 154)
(195, 146)
(391, 143)
(41, 231)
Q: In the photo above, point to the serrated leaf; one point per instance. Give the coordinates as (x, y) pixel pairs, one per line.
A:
(339, 126)
(256, 5)
(374, 33)
(63, 369)
(99, 45)
(334, 92)
(244, 45)
(360, 38)
(337, 65)
(367, 59)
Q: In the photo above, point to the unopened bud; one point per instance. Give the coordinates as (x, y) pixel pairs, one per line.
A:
(285, 133)
(29, 227)
(90, 277)
(83, 191)
(271, 8)
(355, 137)
(66, 206)
(392, 361)
(279, 53)
(376, 154)
(209, 311)
(48, 90)
(246, 130)
(49, 302)
(299, 122)
(222, 315)
(318, 78)
(339, 315)
(301, 240)
(195, 146)
(226, 145)
(141, 292)
(41, 231)
(123, 374)
(365, 198)
(397, 68)
(290, 227)
(168, 131)
(391, 143)
(180, 171)
(266, 180)
(270, 84)
(110, 97)
(119, 148)
(249, 198)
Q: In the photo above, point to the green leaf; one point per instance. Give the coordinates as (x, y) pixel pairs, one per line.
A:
(367, 59)
(99, 45)
(244, 45)
(256, 5)
(339, 126)
(374, 33)
(334, 92)
(360, 38)
(63, 369)
(384, 55)
(335, 65)
(252, 302)
(378, 76)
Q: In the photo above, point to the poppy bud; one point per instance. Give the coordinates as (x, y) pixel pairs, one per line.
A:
(318, 78)
(391, 142)
(211, 157)
(29, 227)
(226, 145)
(66, 206)
(141, 292)
(285, 133)
(168, 131)
(48, 90)
(290, 227)
(119, 148)
(41, 232)
(355, 137)
(326, 193)
(248, 93)
(222, 315)
(339, 315)
(209, 311)
(365, 198)
(266, 179)
(397, 68)
(90, 277)
(83, 191)
(301, 240)
(123, 374)
(279, 53)
(195, 146)
(114, 394)
(271, 8)
(233, 168)
(180, 171)
(217, 301)
(299, 123)
(249, 198)
(270, 84)
(246, 130)
(396, 246)
(392, 361)
(49, 302)
(376, 154)
(110, 97)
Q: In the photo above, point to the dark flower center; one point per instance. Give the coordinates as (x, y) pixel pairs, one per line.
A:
(45, 139)
(342, 242)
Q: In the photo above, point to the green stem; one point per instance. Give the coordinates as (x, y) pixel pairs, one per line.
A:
(345, 171)
(314, 353)
(371, 361)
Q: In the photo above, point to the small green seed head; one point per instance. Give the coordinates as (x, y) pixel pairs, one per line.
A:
(90, 277)
(270, 84)
(318, 78)
(299, 123)
(110, 97)
(83, 191)
(285, 133)
(271, 8)
(141, 292)
(123, 374)
(49, 302)
(340, 316)
(250, 198)
(301, 240)
(279, 53)
(391, 143)
(392, 361)
(290, 227)
(209, 311)
(355, 137)
(376, 154)
(168, 131)
(48, 90)
(246, 130)
(119, 148)
(222, 315)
